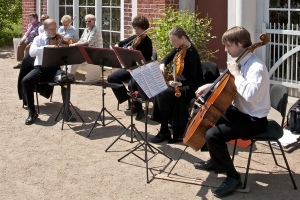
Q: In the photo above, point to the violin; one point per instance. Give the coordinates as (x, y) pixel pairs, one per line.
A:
(138, 39)
(178, 66)
(59, 41)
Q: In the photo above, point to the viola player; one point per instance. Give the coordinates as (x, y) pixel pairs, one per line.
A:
(40, 73)
(247, 116)
(141, 42)
(168, 107)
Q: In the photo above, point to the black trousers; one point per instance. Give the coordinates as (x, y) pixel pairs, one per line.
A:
(37, 75)
(120, 76)
(169, 108)
(240, 125)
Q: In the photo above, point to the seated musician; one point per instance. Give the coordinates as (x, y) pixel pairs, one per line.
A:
(40, 73)
(91, 35)
(139, 41)
(246, 116)
(70, 35)
(186, 57)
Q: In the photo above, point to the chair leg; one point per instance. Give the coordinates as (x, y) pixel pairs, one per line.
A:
(248, 164)
(51, 95)
(37, 100)
(273, 154)
(118, 106)
(233, 152)
(287, 165)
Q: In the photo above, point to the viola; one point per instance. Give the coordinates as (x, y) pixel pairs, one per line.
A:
(178, 66)
(59, 41)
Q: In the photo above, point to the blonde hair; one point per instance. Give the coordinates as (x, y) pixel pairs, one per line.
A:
(90, 16)
(66, 18)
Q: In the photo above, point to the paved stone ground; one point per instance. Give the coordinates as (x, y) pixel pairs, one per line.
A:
(42, 161)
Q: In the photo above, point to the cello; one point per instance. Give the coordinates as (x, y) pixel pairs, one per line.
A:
(213, 104)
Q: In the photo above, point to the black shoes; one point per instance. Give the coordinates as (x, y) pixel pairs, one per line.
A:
(18, 66)
(31, 118)
(228, 186)
(140, 115)
(205, 165)
(175, 140)
(160, 137)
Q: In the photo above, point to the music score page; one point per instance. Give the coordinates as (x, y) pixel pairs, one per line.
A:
(150, 79)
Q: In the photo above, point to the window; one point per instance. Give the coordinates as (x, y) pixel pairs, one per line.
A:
(85, 7)
(65, 8)
(284, 14)
(111, 23)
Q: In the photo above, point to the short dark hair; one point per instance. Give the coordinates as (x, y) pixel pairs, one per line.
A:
(237, 34)
(34, 15)
(141, 22)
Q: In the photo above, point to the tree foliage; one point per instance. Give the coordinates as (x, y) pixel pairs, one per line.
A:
(10, 15)
(198, 29)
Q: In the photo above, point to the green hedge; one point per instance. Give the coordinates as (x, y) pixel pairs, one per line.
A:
(7, 35)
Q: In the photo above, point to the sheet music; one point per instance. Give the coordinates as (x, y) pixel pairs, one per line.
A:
(150, 79)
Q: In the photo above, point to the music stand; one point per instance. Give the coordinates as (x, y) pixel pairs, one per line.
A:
(102, 57)
(127, 57)
(53, 56)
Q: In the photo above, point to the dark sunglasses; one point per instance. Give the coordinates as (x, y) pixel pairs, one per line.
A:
(88, 21)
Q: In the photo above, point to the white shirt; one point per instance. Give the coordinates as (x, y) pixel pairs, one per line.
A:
(253, 87)
(41, 30)
(37, 48)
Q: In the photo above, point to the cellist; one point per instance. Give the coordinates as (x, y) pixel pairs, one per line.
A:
(246, 116)
(168, 107)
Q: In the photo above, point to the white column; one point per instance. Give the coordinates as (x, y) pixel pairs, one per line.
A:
(187, 5)
(246, 16)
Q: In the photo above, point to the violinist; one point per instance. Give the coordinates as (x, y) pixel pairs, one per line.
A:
(168, 107)
(247, 116)
(39, 73)
(141, 42)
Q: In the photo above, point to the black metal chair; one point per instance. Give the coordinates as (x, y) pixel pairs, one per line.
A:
(279, 99)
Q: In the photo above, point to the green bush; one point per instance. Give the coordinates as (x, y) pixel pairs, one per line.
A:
(7, 35)
(10, 21)
(198, 29)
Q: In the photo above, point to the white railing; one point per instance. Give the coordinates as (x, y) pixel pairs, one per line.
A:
(282, 56)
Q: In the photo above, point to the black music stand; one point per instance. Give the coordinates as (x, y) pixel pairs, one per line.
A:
(102, 57)
(54, 56)
(128, 57)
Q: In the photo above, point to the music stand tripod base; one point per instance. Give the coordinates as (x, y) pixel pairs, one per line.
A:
(58, 57)
(145, 145)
